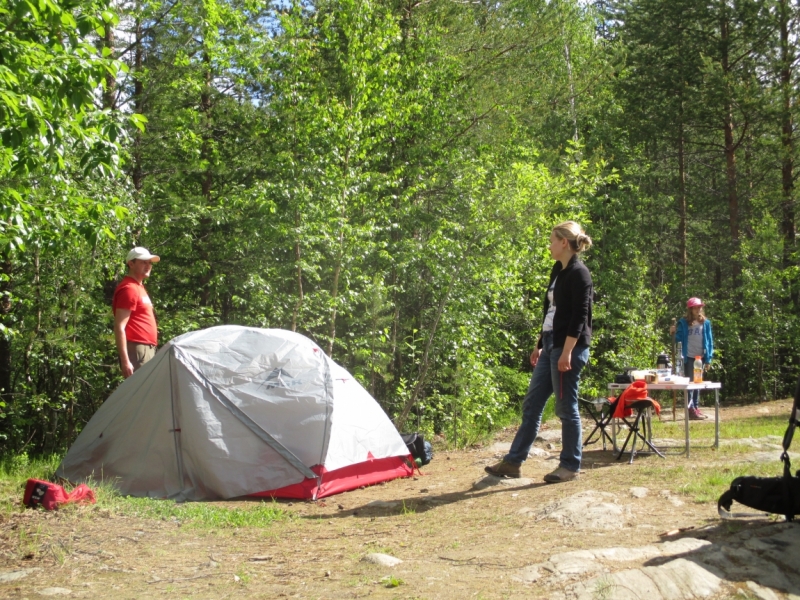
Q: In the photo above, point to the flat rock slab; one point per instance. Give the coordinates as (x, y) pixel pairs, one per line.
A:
(587, 510)
(669, 497)
(567, 565)
(680, 579)
(54, 591)
(764, 560)
(502, 448)
(382, 504)
(761, 592)
(509, 482)
(384, 560)
(7, 576)
(639, 492)
(768, 457)
(549, 435)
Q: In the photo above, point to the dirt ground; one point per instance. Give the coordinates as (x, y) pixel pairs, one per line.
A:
(458, 534)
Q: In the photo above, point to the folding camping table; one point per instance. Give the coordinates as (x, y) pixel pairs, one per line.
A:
(686, 388)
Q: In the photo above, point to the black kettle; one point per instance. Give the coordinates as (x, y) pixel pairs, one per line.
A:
(663, 362)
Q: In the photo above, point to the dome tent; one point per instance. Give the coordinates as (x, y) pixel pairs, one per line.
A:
(233, 411)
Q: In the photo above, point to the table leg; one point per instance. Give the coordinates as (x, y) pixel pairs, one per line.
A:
(686, 418)
(673, 406)
(716, 419)
(614, 433)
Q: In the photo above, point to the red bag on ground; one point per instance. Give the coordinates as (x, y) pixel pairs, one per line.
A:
(51, 495)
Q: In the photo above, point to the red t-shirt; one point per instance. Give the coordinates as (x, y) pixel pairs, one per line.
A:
(141, 327)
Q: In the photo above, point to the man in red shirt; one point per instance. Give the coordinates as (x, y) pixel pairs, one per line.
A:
(135, 327)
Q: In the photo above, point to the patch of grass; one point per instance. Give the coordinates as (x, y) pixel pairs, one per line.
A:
(751, 427)
(408, 510)
(701, 479)
(17, 469)
(390, 581)
(379, 549)
(754, 427)
(200, 515)
(604, 588)
(708, 483)
(244, 576)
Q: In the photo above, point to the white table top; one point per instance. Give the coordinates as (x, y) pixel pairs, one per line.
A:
(706, 385)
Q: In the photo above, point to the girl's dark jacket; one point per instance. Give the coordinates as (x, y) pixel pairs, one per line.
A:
(573, 295)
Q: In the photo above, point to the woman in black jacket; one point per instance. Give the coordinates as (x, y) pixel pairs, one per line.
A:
(561, 353)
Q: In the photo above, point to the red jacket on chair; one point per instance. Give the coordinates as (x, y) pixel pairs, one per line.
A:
(635, 392)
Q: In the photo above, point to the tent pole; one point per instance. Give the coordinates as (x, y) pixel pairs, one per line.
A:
(176, 426)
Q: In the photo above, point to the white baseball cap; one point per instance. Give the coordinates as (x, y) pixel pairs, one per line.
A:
(141, 254)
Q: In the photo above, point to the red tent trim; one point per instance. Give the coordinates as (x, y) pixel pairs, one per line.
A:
(345, 479)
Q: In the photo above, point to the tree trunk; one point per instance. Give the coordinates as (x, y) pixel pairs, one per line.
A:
(684, 260)
(730, 148)
(206, 179)
(400, 421)
(138, 104)
(573, 112)
(110, 91)
(337, 271)
(297, 256)
(789, 227)
(5, 342)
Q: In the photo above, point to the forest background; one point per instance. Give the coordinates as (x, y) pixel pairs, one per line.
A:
(382, 176)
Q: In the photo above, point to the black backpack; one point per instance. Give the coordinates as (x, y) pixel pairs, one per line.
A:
(420, 450)
(776, 495)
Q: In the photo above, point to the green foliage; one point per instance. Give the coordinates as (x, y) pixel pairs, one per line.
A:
(383, 179)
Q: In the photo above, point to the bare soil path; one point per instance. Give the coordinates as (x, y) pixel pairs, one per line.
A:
(459, 533)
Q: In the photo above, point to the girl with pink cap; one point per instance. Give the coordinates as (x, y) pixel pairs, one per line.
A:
(694, 334)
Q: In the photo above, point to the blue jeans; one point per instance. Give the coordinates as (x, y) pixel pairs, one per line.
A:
(688, 371)
(545, 380)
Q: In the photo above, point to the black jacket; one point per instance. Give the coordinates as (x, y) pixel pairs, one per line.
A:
(573, 295)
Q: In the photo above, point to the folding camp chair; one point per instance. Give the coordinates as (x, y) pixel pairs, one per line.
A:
(640, 428)
(601, 411)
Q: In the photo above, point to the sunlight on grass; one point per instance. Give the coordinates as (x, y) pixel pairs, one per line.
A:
(700, 479)
(200, 514)
(700, 482)
(16, 470)
(752, 427)
(707, 484)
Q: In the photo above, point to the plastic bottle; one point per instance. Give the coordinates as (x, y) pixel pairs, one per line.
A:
(679, 360)
(698, 370)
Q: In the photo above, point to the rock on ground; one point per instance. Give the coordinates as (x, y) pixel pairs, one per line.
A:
(585, 510)
(509, 482)
(679, 579)
(764, 561)
(500, 449)
(15, 575)
(384, 560)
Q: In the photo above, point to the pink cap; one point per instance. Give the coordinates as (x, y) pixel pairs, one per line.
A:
(692, 302)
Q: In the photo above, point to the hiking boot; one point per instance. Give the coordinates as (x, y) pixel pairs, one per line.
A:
(696, 415)
(560, 475)
(504, 469)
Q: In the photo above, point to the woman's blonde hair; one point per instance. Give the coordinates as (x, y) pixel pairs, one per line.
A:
(574, 234)
(701, 316)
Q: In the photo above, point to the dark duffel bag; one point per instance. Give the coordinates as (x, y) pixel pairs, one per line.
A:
(776, 495)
